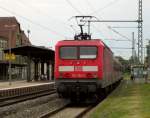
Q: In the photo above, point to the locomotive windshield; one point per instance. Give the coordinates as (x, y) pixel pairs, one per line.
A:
(88, 52)
(83, 52)
(68, 52)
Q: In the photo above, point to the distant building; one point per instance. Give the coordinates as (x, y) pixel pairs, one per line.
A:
(11, 36)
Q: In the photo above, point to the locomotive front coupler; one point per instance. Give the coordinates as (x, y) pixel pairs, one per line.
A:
(77, 89)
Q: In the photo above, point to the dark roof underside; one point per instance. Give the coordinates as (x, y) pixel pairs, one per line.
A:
(33, 52)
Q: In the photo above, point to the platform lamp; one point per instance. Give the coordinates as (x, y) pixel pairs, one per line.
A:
(28, 31)
(10, 28)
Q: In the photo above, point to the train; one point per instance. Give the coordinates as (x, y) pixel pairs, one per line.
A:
(85, 68)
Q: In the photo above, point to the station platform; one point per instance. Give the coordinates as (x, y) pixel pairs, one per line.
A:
(141, 80)
(21, 83)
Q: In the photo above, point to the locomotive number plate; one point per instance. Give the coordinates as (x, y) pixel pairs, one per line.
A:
(78, 68)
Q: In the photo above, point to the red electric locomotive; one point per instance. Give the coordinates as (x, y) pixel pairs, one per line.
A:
(84, 67)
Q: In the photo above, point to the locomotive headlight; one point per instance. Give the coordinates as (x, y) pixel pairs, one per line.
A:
(95, 75)
(91, 75)
(60, 75)
(64, 75)
(67, 75)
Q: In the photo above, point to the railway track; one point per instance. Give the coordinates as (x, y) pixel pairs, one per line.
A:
(69, 111)
(18, 99)
(15, 95)
(73, 111)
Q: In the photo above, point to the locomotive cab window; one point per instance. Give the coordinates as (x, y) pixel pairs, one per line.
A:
(68, 52)
(88, 52)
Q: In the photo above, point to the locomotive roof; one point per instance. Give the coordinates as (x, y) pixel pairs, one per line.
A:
(93, 42)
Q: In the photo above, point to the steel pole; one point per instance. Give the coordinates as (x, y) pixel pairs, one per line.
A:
(133, 48)
(10, 28)
(10, 71)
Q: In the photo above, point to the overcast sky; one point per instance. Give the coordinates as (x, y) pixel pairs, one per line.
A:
(48, 20)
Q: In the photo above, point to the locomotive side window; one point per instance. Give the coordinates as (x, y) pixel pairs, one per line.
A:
(88, 52)
(68, 52)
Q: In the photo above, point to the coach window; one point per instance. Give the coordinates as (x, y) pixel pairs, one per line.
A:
(88, 52)
(68, 52)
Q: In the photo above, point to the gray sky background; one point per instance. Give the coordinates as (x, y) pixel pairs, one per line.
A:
(48, 20)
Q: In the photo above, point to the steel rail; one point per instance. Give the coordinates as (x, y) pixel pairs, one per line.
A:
(51, 113)
(21, 98)
(85, 111)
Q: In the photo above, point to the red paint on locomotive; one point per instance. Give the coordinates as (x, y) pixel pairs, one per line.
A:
(79, 64)
(89, 64)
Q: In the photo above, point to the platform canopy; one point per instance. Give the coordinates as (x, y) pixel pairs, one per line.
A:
(38, 52)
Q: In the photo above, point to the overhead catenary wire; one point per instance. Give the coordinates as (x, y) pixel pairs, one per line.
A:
(109, 27)
(99, 30)
(106, 6)
(74, 7)
(121, 48)
(114, 48)
(73, 28)
(122, 27)
(132, 27)
(70, 3)
(88, 3)
(33, 22)
(112, 39)
(92, 9)
(120, 34)
(38, 11)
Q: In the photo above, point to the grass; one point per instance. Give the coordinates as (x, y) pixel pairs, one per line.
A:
(126, 76)
(129, 100)
(145, 91)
